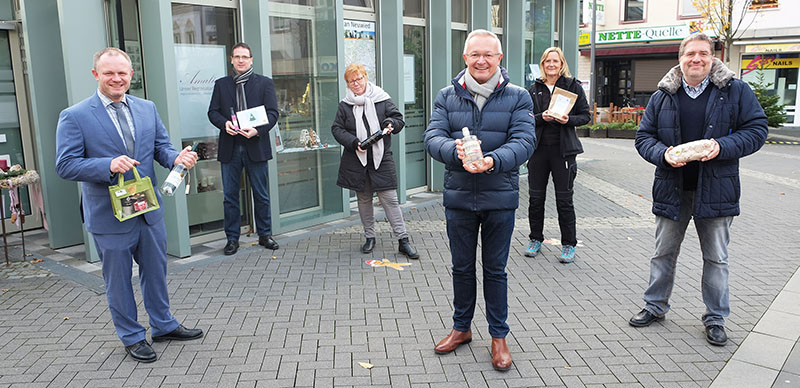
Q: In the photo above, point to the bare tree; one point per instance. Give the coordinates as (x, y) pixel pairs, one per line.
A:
(719, 15)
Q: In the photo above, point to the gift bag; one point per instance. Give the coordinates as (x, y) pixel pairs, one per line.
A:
(133, 197)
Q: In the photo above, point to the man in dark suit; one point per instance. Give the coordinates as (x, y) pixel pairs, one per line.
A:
(247, 148)
(102, 136)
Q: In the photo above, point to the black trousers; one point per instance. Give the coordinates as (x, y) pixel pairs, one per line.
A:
(546, 160)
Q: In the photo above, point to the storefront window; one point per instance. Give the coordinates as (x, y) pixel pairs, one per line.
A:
(125, 21)
(538, 35)
(304, 43)
(458, 50)
(414, 8)
(460, 11)
(459, 25)
(415, 104)
(203, 38)
(359, 3)
(498, 13)
(779, 73)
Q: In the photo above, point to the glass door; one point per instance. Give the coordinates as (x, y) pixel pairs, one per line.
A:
(14, 141)
(416, 103)
(203, 38)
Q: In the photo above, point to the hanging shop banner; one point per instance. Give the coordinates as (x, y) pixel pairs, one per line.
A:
(198, 66)
(359, 46)
(587, 12)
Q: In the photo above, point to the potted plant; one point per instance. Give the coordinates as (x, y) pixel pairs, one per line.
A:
(598, 130)
(583, 130)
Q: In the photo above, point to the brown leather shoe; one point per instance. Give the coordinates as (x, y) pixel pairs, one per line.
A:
(501, 357)
(452, 341)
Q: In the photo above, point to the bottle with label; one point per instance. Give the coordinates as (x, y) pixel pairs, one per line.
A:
(372, 139)
(175, 177)
(472, 147)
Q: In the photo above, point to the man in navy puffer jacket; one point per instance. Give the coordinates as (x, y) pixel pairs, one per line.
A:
(698, 99)
(481, 196)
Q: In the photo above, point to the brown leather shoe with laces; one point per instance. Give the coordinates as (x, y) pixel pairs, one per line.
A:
(452, 341)
(501, 356)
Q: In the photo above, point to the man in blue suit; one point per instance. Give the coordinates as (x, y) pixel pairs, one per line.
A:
(247, 148)
(102, 136)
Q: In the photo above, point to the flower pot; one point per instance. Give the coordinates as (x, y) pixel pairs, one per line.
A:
(582, 132)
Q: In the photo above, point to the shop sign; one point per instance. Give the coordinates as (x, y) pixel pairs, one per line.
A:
(768, 62)
(359, 46)
(772, 48)
(645, 34)
(198, 67)
(601, 12)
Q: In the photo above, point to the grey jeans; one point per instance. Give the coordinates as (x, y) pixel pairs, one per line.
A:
(391, 207)
(714, 234)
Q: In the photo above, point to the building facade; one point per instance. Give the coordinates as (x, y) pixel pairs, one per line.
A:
(636, 43)
(412, 48)
(769, 45)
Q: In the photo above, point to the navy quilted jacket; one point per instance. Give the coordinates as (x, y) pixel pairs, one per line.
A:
(734, 119)
(505, 127)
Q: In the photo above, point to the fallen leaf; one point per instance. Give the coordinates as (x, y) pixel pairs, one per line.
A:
(66, 318)
(28, 254)
(640, 195)
(365, 365)
(567, 367)
(783, 193)
(630, 239)
(274, 257)
(34, 261)
(4, 290)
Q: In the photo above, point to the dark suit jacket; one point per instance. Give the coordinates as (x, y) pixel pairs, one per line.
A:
(259, 90)
(87, 140)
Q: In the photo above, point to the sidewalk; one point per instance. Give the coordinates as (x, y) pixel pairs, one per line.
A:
(309, 313)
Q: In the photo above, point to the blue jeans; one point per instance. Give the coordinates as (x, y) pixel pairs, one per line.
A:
(714, 234)
(231, 184)
(495, 228)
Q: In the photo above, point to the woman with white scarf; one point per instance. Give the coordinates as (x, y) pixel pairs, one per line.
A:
(367, 109)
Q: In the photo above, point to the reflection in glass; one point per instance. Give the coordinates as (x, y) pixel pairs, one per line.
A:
(415, 107)
(414, 8)
(459, 11)
(203, 38)
(458, 50)
(131, 43)
(296, 2)
(305, 71)
(634, 10)
(11, 148)
(498, 13)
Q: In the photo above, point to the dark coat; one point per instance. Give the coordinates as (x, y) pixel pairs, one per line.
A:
(579, 115)
(352, 175)
(505, 127)
(734, 119)
(259, 90)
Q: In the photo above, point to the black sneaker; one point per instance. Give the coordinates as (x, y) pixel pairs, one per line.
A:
(715, 335)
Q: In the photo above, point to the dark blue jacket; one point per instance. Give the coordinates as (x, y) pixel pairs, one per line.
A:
(505, 127)
(734, 119)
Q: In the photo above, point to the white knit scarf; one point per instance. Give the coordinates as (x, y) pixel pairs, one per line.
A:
(364, 105)
(481, 92)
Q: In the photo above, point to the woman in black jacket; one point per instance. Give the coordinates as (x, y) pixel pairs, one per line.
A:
(367, 109)
(557, 145)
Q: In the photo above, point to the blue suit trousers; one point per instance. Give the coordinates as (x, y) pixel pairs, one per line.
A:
(147, 245)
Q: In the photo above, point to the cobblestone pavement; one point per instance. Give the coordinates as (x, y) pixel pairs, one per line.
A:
(309, 314)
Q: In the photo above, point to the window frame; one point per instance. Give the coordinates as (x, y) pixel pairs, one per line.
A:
(623, 11)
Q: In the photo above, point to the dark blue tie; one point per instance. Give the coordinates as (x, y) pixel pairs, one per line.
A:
(124, 126)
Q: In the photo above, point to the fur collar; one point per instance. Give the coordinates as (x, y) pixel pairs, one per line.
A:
(720, 75)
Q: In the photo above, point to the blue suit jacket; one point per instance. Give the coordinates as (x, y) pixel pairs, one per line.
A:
(87, 141)
(259, 90)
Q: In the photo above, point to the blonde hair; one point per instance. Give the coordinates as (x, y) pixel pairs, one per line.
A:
(564, 66)
(110, 51)
(353, 70)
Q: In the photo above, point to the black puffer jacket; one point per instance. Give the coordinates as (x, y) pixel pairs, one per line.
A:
(352, 175)
(579, 115)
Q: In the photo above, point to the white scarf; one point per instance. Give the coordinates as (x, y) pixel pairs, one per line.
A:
(480, 92)
(364, 105)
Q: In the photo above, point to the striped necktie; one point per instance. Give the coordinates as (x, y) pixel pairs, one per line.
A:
(124, 126)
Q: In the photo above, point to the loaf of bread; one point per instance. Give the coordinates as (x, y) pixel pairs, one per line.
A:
(691, 151)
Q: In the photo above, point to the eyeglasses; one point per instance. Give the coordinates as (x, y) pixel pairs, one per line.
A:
(355, 80)
(241, 57)
(489, 56)
(691, 54)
